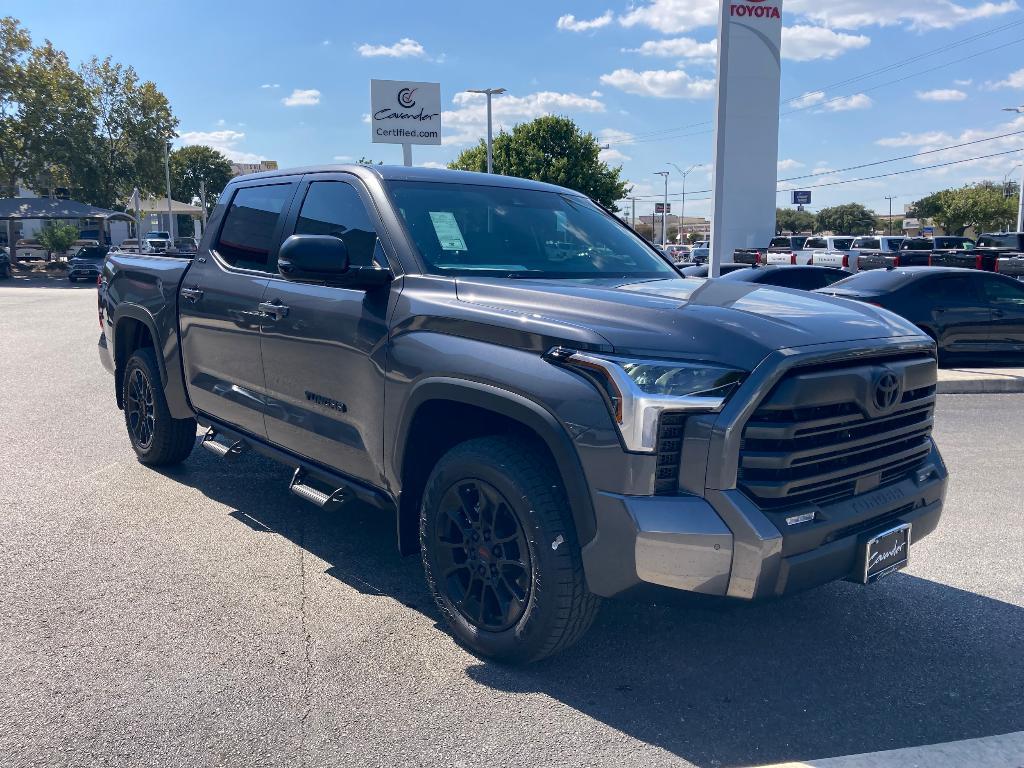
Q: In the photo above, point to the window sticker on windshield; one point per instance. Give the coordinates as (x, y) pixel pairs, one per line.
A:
(447, 230)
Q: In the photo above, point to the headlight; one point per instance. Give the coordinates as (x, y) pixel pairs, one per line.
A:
(637, 391)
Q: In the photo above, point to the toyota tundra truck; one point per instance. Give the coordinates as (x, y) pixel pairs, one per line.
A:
(548, 410)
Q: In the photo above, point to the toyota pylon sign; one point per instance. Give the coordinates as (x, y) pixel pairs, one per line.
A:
(746, 126)
(403, 112)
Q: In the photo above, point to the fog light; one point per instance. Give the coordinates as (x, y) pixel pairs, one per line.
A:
(805, 517)
(926, 474)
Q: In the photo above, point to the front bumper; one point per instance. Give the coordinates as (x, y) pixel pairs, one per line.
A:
(725, 545)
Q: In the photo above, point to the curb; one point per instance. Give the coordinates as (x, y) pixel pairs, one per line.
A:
(980, 382)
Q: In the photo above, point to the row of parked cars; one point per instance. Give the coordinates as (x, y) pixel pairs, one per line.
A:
(996, 252)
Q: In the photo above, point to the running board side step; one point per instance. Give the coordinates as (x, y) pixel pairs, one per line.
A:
(228, 452)
(314, 495)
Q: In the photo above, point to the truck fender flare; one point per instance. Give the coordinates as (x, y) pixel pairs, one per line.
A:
(135, 312)
(522, 409)
(172, 381)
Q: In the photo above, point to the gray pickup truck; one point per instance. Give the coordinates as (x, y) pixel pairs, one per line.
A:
(549, 411)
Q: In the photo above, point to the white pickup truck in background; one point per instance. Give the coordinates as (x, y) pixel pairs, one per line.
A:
(812, 246)
(850, 259)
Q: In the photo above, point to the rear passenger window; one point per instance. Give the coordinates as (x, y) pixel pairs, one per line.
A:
(815, 242)
(950, 290)
(247, 237)
(334, 208)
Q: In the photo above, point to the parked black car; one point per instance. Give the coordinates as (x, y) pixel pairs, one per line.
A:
(87, 263)
(915, 252)
(970, 314)
(985, 255)
(702, 270)
(803, 277)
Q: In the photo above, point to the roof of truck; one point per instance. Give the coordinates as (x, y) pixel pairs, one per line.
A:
(402, 173)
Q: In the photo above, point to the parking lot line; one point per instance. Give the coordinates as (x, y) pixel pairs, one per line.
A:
(1005, 751)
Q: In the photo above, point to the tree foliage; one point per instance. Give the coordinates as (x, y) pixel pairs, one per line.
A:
(983, 207)
(848, 219)
(551, 149)
(789, 221)
(193, 165)
(58, 236)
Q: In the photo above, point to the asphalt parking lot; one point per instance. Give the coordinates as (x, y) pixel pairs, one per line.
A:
(204, 616)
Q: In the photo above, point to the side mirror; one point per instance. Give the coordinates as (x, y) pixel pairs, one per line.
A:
(321, 258)
(324, 259)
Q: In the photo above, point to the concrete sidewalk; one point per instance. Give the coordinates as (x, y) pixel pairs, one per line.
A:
(978, 381)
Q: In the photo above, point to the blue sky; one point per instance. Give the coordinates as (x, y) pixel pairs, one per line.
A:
(290, 82)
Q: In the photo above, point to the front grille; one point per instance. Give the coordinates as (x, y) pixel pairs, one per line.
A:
(815, 439)
(669, 452)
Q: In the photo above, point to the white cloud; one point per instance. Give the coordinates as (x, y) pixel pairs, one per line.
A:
(614, 136)
(469, 118)
(916, 139)
(271, 85)
(677, 47)
(964, 83)
(935, 140)
(431, 164)
(809, 99)
(672, 16)
(1013, 80)
(300, 97)
(343, 158)
(570, 23)
(613, 156)
(660, 83)
(596, 94)
(224, 141)
(941, 94)
(326, 42)
(917, 14)
(806, 43)
(848, 103)
(403, 49)
(789, 164)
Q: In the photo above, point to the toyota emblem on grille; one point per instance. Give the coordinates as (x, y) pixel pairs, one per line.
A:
(888, 390)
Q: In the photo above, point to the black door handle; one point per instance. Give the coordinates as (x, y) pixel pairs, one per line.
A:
(192, 294)
(273, 308)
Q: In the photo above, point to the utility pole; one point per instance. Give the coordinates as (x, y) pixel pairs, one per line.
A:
(490, 144)
(170, 209)
(664, 207)
(633, 220)
(890, 199)
(682, 207)
(1020, 197)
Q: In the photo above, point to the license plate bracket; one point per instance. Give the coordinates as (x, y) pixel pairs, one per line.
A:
(885, 552)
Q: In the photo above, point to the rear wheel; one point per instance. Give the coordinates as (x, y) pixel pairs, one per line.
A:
(157, 438)
(500, 552)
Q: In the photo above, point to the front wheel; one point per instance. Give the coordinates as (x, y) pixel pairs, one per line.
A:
(157, 438)
(500, 552)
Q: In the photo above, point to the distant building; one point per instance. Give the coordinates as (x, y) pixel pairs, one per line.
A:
(239, 169)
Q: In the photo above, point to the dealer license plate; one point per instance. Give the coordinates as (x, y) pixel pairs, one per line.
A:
(886, 552)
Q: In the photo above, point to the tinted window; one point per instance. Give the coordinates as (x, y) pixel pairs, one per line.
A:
(892, 244)
(916, 245)
(875, 280)
(1005, 294)
(798, 242)
(954, 242)
(508, 231)
(334, 208)
(843, 243)
(949, 290)
(780, 242)
(92, 252)
(247, 237)
(815, 242)
(866, 242)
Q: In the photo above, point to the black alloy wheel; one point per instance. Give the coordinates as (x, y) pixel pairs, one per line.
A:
(139, 409)
(483, 555)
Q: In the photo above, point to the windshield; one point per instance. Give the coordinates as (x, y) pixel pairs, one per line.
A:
(482, 230)
(160, 235)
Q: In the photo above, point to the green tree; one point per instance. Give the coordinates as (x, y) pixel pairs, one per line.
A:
(133, 121)
(193, 165)
(551, 149)
(983, 207)
(793, 222)
(849, 219)
(57, 237)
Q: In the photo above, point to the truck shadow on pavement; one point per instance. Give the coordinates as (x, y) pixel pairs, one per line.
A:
(840, 670)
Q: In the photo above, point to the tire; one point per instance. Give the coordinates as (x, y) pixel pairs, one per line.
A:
(158, 439)
(495, 519)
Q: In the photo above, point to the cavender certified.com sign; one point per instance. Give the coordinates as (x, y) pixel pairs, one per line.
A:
(403, 112)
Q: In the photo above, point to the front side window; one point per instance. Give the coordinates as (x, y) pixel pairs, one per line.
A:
(334, 208)
(1003, 293)
(950, 290)
(247, 237)
(462, 229)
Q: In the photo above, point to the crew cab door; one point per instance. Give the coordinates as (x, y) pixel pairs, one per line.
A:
(324, 352)
(1006, 298)
(958, 312)
(218, 307)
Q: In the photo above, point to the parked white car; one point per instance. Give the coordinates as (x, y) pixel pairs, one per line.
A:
(850, 259)
(812, 246)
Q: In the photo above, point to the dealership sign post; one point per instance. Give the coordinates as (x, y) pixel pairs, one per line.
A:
(746, 127)
(405, 113)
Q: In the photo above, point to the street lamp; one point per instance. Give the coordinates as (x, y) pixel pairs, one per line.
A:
(664, 208)
(890, 198)
(170, 210)
(490, 92)
(1020, 196)
(682, 207)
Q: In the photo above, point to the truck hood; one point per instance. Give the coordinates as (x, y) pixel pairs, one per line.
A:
(725, 321)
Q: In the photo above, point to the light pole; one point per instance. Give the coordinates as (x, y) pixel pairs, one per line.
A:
(170, 210)
(890, 199)
(1020, 196)
(490, 145)
(682, 207)
(664, 208)
(1006, 178)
